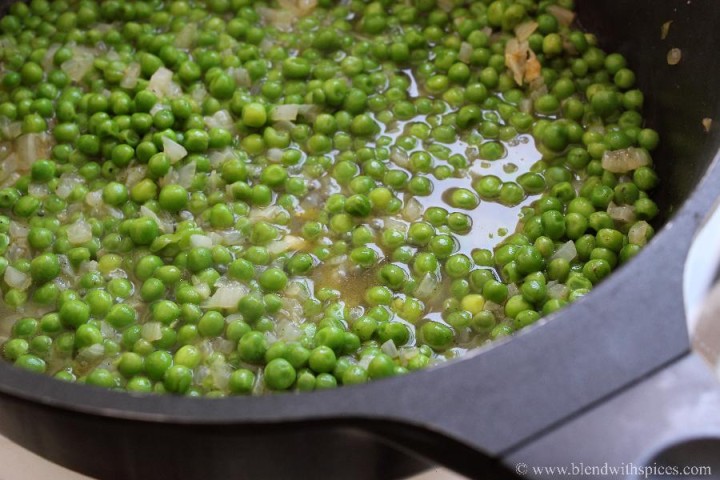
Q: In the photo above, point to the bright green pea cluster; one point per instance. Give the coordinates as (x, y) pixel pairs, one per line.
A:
(233, 197)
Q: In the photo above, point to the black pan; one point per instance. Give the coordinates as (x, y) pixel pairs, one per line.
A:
(470, 413)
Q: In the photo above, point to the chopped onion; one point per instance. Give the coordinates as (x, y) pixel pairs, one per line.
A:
(562, 15)
(621, 213)
(94, 199)
(132, 73)
(186, 175)
(18, 231)
(288, 331)
(284, 112)
(241, 76)
(308, 111)
(413, 210)
(640, 233)
(166, 226)
(220, 119)
(185, 38)
(299, 7)
(161, 84)
(674, 56)
(567, 251)
(151, 331)
(525, 29)
(17, 279)
(465, 53)
(389, 349)
(557, 290)
(80, 64)
(38, 190)
(665, 29)
(274, 155)
(91, 354)
(31, 147)
(227, 296)
(200, 241)
(521, 61)
(399, 157)
(513, 290)
(280, 19)
(266, 213)
(625, 160)
(232, 237)
(287, 243)
(707, 124)
(135, 175)
(217, 158)
(173, 150)
(427, 286)
(201, 287)
(79, 232)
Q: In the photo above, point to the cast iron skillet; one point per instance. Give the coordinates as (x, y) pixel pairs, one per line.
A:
(472, 411)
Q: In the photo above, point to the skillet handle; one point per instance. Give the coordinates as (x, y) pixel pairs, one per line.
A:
(671, 419)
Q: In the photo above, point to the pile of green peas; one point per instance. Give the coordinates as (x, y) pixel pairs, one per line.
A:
(225, 199)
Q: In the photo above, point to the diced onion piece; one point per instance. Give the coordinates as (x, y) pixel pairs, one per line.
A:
(288, 112)
(310, 112)
(288, 331)
(445, 5)
(625, 160)
(79, 232)
(525, 29)
(413, 210)
(389, 349)
(17, 279)
(151, 331)
(227, 296)
(465, 53)
(10, 130)
(94, 199)
(186, 175)
(200, 241)
(18, 231)
(80, 64)
(280, 19)
(558, 291)
(266, 213)
(567, 251)
(220, 119)
(161, 84)
(521, 61)
(241, 76)
(665, 29)
(640, 233)
(399, 157)
(219, 157)
(289, 243)
(299, 7)
(674, 56)
(173, 150)
(621, 213)
(274, 154)
(164, 225)
(707, 124)
(90, 354)
(31, 147)
(562, 15)
(185, 38)
(427, 286)
(132, 73)
(38, 190)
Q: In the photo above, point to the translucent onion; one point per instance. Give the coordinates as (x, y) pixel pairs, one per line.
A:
(399, 157)
(413, 209)
(201, 241)
(640, 233)
(220, 119)
(173, 150)
(227, 296)
(80, 64)
(17, 279)
(567, 251)
(186, 175)
(525, 29)
(166, 225)
(151, 331)
(79, 232)
(558, 291)
(274, 155)
(185, 38)
(625, 160)
(465, 53)
(161, 84)
(389, 349)
(287, 112)
(562, 15)
(621, 213)
(285, 244)
(427, 286)
(31, 147)
(280, 19)
(132, 73)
